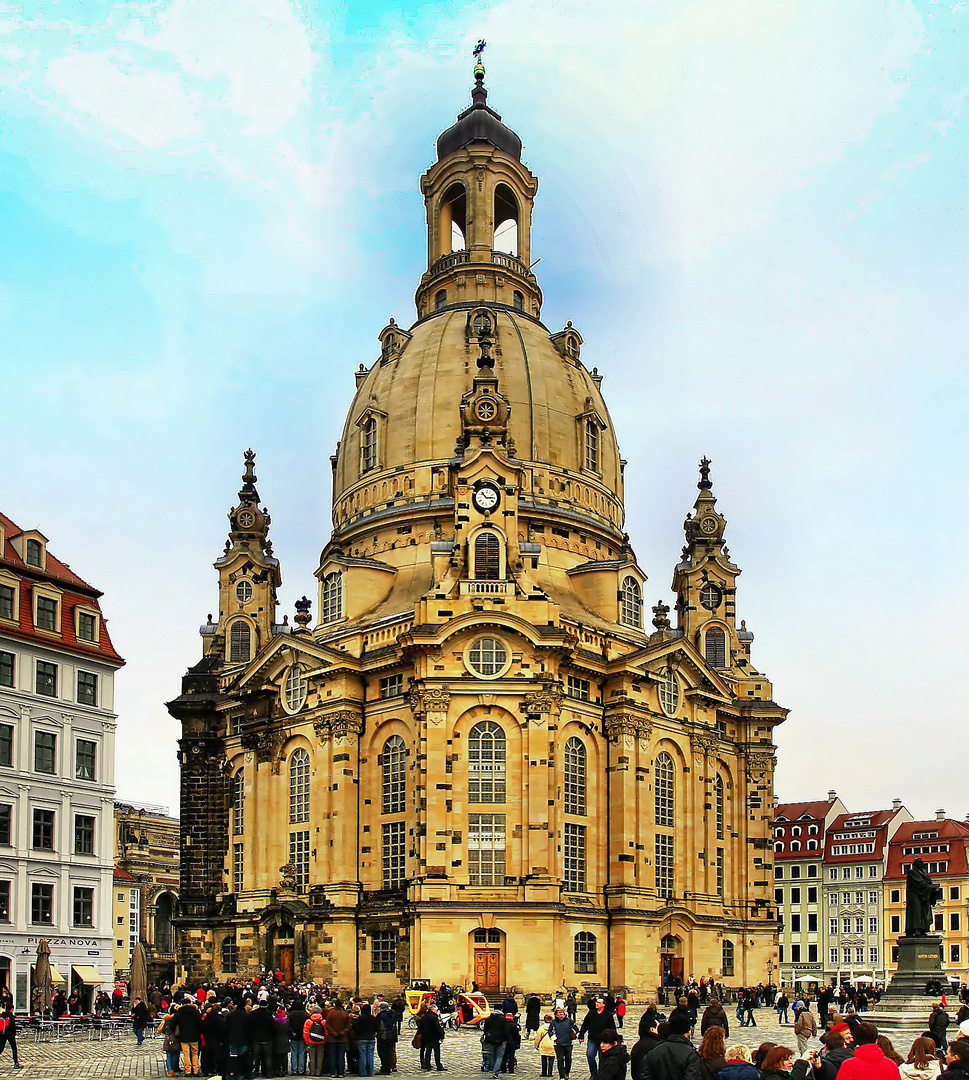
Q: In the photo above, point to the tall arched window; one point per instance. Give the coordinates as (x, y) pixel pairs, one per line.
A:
(393, 759)
(663, 789)
(454, 215)
(585, 951)
(440, 299)
(718, 786)
(164, 912)
(299, 786)
(506, 220)
(715, 646)
(592, 445)
(486, 763)
(368, 444)
(240, 642)
(487, 557)
(726, 963)
(239, 803)
(575, 776)
(517, 301)
(230, 955)
(631, 602)
(332, 597)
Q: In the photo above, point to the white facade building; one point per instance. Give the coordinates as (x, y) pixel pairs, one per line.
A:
(57, 724)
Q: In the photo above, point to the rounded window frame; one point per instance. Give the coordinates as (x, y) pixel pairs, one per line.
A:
(670, 682)
(241, 586)
(717, 589)
(284, 690)
(472, 670)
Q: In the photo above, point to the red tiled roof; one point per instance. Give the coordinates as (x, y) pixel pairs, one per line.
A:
(123, 875)
(878, 821)
(74, 591)
(954, 833)
(794, 810)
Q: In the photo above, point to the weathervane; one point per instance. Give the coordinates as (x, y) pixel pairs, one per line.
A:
(477, 53)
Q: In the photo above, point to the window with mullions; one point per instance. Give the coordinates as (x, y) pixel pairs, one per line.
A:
(718, 792)
(663, 789)
(664, 865)
(6, 668)
(487, 656)
(230, 955)
(392, 686)
(393, 855)
(592, 445)
(726, 958)
(574, 857)
(393, 765)
(299, 856)
(46, 613)
(238, 867)
(4, 901)
(332, 597)
(631, 602)
(715, 647)
(85, 759)
(487, 557)
(83, 834)
(299, 786)
(86, 626)
(368, 444)
(87, 688)
(239, 803)
(486, 849)
(585, 952)
(574, 788)
(240, 643)
(33, 553)
(6, 745)
(577, 688)
(46, 683)
(6, 814)
(486, 763)
(719, 871)
(489, 936)
(83, 906)
(669, 693)
(383, 951)
(7, 597)
(43, 831)
(294, 692)
(41, 904)
(45, 751)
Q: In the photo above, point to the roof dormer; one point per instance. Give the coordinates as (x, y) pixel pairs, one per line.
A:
(31, 546)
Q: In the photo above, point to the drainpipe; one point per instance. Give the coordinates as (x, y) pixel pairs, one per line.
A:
(356, 921)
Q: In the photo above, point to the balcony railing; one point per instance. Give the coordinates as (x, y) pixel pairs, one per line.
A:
(462, 258)
(487, 588)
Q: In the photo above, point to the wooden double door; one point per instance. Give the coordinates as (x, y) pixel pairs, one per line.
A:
(487, 969)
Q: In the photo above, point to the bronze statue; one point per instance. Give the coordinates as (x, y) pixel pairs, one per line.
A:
(920, 894)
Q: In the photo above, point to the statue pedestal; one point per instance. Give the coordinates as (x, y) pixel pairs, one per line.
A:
(905, 1006)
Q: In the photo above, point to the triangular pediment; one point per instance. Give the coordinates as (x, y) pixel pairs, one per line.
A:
(281, 653)
(688, 662)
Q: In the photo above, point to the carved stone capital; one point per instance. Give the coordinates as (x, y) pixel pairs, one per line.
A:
(430, 701)
(321, 727)
(622, 726)
(345, 724)
(542, 702)
(761, 762)
(704, 742)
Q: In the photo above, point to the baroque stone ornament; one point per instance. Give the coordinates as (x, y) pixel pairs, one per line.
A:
(287, 877)
(321, 727)
(761, 762)
(345, 725)
(431, 702)
(704, 742)
(542, 702)
(625, 727)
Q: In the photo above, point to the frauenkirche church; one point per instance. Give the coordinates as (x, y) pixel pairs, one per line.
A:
(479, 764)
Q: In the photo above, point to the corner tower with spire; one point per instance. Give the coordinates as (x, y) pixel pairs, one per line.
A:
(479, 764)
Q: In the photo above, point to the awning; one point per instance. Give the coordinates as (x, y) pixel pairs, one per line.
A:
(87, 974)
(55, 976)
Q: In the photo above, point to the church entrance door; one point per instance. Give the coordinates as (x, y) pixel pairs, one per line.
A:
(286, 965)
(487, 969)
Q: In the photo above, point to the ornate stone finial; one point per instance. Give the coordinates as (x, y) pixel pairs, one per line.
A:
(660, 616)
(705, 483)
(249, 476)
(302, 616)
(287, 877)
(479, 95)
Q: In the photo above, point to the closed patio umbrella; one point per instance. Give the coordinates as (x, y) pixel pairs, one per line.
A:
(138, 979)
(43, 992)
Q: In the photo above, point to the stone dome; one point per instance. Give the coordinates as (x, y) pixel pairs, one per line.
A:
(413, 399)
(479, 124)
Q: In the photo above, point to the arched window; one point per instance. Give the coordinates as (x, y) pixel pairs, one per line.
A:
(486, 763)
(812, 845)
(795, 845)
(592, 445)
(33, 553)
(575, 776)
(631, 602)
(663, 789)
(726, 963)
(164, 912)
(230, 955)
(506, 220)
(585, 951)
(487, 936)
(368, 444)
(796, 830)
(718, 793)
(440, 299)
(715, 647)
(454, 218)
(669, 693)
(518, 301)
(393, 759)
(332, 597)
(294, 691)
(299, 786)
(240, 642)
(481, 324)
(487, 557)
(239, 803)
(778, 845)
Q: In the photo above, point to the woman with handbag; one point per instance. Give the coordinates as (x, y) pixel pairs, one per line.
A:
(545, 1045)
(563, 1032)
(170, 1043)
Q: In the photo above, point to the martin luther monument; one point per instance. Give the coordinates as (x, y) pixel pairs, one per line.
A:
(920, 895)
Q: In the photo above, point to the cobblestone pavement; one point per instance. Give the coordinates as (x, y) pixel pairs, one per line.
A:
(461, 1053)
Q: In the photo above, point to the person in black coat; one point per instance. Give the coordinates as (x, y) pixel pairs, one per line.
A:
(432, 1034)
(8, 1021)
(675, 1058)
(262, 1036)
(596, 1021)
(533, 1014)
(494, 1035)
(386, 1039)
(508, 1062)
(295, 1019)
(613, 1056)
(956, 1061)
(140, 1019)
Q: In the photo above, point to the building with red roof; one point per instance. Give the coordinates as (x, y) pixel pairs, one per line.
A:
(854, 863)
(57, 724)
(943, 845)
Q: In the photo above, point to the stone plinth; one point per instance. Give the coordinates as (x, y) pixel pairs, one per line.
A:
(904, 1005)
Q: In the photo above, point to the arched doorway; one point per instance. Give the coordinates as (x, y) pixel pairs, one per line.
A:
(671, 961)
(281, 950)
(488, 950)
(164, 938)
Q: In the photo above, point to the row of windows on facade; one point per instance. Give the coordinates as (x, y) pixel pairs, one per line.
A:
(47, 614)
(44, 831)
(45, 753)
(47, 677)
(848, 954)
(42, 904)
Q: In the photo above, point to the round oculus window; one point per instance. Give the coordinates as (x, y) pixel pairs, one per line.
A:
(710, 596)
(487, 657)
(243, 592)
(669, 694)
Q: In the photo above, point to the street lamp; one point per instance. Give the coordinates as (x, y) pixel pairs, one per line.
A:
(770, 968)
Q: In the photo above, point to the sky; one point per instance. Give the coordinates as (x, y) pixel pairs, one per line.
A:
(755, 212)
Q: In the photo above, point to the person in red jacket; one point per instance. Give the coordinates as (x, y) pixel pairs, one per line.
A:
(868, 1062)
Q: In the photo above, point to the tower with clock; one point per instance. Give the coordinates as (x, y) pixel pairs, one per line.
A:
(475, 761)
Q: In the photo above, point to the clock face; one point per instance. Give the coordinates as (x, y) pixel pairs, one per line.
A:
(708, 525)
(246, 519)
(486, 410)
(485, 498)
